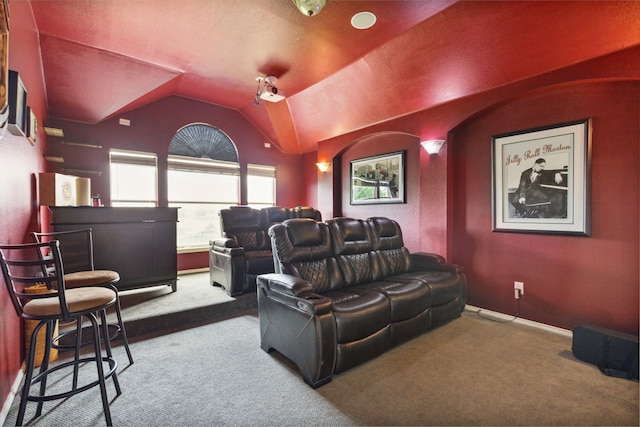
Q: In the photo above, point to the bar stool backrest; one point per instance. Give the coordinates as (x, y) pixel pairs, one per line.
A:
(24, 266)
(76, 247)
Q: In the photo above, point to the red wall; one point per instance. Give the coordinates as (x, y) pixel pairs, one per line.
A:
(406, 213)
(568, 279)
(20, 162)
(310, 179)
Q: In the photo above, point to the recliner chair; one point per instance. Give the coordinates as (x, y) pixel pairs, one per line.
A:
(244, 251)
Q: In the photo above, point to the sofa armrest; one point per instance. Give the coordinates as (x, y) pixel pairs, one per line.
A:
(428, 257)
(286, 284)
(294, 292)
(299, 324)
(226, 246)
(434, 262)
(227, 266)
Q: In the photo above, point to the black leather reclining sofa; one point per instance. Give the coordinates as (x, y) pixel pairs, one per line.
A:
(244, 251)
(347, 290)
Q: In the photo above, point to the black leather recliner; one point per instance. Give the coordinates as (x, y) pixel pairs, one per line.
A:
(347, 290)
(244, 251)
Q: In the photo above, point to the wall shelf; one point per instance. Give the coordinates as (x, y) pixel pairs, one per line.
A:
(80, 144)
(82, 171)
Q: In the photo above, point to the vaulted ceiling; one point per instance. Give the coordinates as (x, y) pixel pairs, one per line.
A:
(104, 57)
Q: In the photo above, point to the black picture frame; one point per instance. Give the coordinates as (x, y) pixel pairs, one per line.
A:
(32, 126)
(17, 105)
(541, 179)
(378, 179)
(4, 69)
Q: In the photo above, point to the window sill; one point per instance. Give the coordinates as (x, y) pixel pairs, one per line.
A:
(192, 250)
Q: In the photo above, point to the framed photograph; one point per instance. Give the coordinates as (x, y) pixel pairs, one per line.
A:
(17, 105)
(378, 179)
(541, 179)
(4, 62)
(32, 126)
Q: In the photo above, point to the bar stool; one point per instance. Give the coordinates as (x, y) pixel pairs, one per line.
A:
(24, 266)
(76, 247)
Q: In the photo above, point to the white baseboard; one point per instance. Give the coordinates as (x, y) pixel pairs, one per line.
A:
(12, 395)
(531, 323)
(193, 270)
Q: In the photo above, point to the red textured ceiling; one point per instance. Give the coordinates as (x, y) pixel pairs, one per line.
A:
(104, 57)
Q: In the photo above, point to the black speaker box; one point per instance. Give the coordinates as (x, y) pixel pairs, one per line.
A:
(614, 353)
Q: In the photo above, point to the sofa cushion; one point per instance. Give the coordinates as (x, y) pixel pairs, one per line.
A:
(251, 240)
(352, 246)
(274, 215)
(394, 261)
(350, 236)
(388, 245)
(407, 298)
(445, 286)
(258, 262)
(306, 212)
(239, 217)
(387, 233)
(359, 313)
(308, 234)
(303, 249)
(357, 268)
(300, 240)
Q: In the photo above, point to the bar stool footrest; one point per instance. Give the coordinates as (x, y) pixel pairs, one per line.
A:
(113, 365)
(66, 340)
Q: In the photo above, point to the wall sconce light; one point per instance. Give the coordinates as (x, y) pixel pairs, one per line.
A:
(323, 167)
(433, 145)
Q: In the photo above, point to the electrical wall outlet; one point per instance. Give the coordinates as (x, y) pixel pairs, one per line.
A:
(518, 289)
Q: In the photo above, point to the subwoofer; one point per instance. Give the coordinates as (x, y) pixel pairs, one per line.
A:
(614, 353)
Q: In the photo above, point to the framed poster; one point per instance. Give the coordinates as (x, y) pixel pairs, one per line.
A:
(378, 179)
(32, 126)
(541, 179)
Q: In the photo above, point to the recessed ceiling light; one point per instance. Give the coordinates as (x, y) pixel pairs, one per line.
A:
(363, 20)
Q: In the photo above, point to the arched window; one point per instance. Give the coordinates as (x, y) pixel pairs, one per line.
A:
(203, 141)
(203, 177)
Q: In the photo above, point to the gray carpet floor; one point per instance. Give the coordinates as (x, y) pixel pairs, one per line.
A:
(472, 371)
(154, 310)
(193, 291)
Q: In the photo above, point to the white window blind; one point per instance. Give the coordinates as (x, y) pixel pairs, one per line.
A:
(134, 178)
(261, 186)
(193, 164)
(201, 188)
